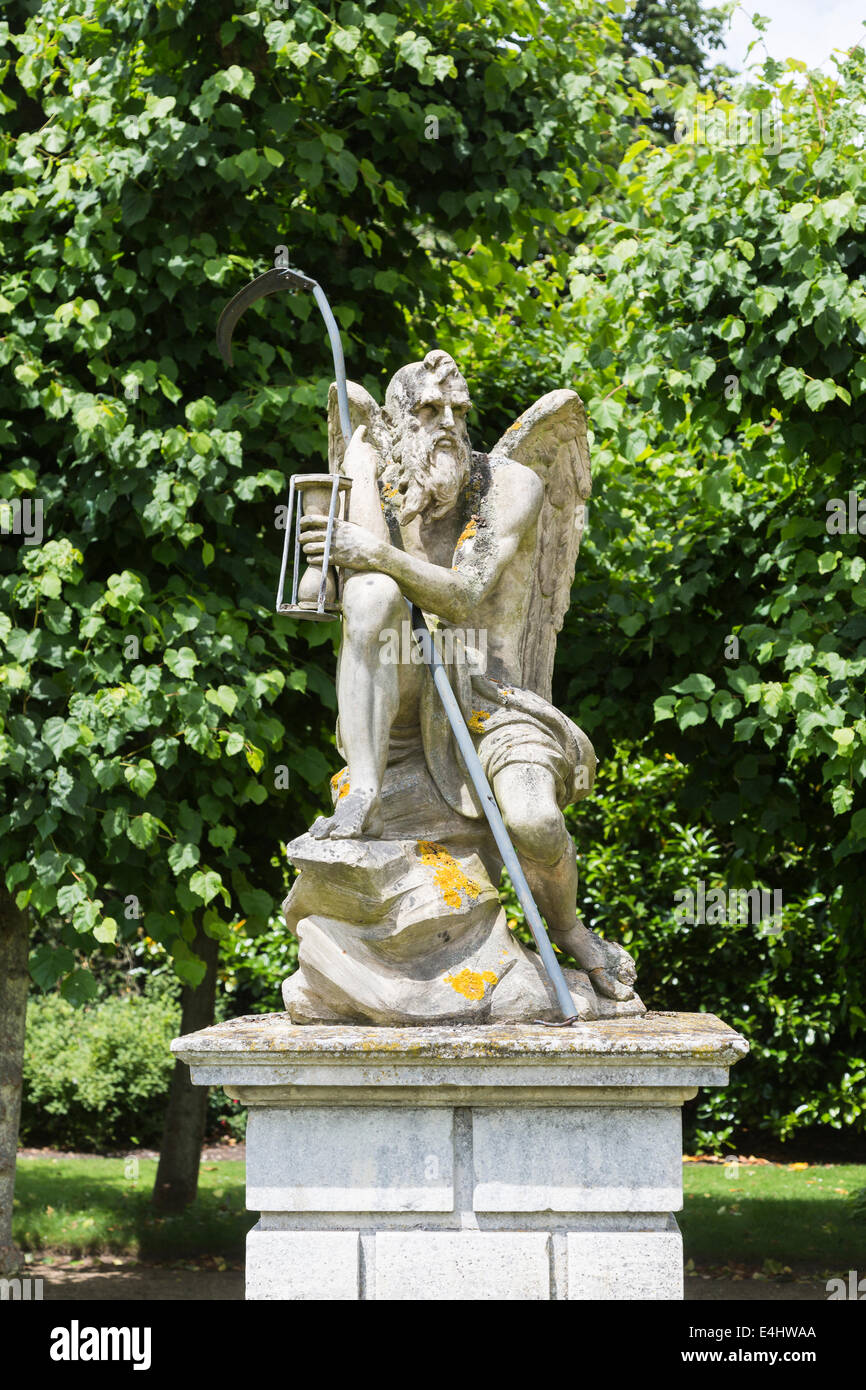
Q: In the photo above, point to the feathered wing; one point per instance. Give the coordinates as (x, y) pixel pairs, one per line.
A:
(550, 438)
(363, 410)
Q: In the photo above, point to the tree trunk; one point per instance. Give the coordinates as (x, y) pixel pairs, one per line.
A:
(14, 985)
(185, 1118)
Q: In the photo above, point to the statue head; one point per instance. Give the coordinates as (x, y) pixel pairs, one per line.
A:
(426, 405)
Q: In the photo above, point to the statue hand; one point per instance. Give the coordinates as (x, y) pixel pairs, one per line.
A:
(352, 546)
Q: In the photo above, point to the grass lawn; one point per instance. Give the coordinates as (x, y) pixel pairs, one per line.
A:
(775, 1215)
(90, 1206)
(763, 1217)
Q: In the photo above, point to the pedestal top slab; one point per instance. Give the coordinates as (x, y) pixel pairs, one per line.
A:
(658, 1049)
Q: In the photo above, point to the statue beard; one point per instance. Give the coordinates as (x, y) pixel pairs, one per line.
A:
(429, 476)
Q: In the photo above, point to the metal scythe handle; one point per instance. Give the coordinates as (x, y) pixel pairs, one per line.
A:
(493, 814)
(270, 283)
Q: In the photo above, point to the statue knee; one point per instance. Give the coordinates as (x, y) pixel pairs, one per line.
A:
(372, 603)
(537, 831)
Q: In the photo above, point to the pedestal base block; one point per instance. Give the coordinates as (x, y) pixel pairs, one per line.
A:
(303, 1265)
(613, 1265)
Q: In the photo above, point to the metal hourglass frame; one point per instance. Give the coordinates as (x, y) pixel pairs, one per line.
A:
(324, 491)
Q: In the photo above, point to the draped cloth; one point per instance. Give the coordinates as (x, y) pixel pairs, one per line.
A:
(508, 726)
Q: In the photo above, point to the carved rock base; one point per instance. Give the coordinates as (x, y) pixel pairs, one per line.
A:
(412, 932)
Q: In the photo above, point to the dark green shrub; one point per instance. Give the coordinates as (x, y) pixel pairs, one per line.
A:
(97, 1077)
(252, 969)
(638, 846)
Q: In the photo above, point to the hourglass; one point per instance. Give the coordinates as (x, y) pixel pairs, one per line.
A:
(315, 592)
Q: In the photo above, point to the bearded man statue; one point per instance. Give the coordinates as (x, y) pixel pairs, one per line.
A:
(397, 905)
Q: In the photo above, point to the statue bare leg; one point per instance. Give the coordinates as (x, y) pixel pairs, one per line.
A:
(527, 799)
(369, 696)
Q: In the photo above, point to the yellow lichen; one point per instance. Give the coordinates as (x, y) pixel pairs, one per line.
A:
(448, 876)
(470, 983)
(340, 784)
(476, 720)
(467, 533)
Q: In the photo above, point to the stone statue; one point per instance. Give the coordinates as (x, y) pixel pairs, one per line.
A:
(396, 905)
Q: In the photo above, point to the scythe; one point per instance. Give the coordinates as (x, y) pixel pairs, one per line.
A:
(283, 279)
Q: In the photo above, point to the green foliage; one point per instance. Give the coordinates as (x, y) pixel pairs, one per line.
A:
(785, 992)
(252, 969)
(673, 305)
(97, 1077)
(475, 175)
(677, 32)
(742, 273)
(681, 34)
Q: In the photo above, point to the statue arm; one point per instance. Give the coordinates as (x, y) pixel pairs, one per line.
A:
(452, 594)
(511, 508)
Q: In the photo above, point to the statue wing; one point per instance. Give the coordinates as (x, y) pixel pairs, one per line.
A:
(550, 438)
(363, 410)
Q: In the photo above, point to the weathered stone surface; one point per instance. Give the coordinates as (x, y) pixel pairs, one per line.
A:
(462, 1265)
(407, 931)
(465, 1162)
(396, 904)
(660, 1049)
(622, 1265)
(350, 1158)
(580, 1158)
(303, 1265)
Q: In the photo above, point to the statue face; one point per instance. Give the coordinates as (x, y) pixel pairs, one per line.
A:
(428, 403)
(439, 412)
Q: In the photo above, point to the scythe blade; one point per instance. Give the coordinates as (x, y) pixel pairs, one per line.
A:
(269, 283)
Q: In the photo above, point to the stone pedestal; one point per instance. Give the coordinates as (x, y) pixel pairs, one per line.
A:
(464, 1162)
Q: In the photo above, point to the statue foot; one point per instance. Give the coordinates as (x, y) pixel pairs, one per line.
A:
(604, 982)
(610, 968)
(358, 814)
